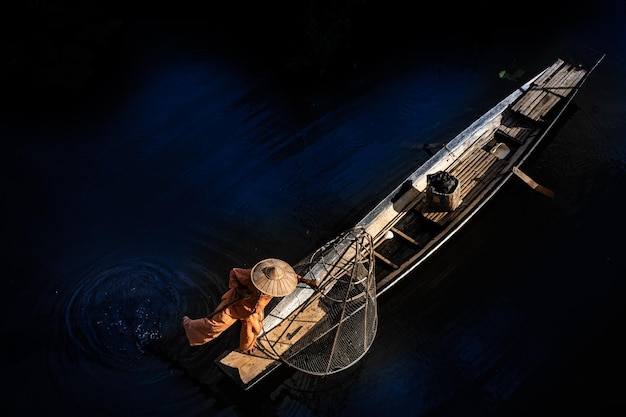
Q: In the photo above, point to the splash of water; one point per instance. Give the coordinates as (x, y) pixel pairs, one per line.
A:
(118, 313)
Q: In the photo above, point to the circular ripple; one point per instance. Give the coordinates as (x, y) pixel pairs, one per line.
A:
(117, 313)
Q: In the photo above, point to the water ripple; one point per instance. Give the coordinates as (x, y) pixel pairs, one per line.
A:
(117, 313)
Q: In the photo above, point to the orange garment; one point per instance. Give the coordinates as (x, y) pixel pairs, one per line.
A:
(249, 311)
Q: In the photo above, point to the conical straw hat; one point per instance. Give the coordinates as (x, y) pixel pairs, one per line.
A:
(274, 277)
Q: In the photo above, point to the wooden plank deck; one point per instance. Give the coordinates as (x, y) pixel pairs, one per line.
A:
(249, 367)
(474, 170)
(271, 345)
(548, 90)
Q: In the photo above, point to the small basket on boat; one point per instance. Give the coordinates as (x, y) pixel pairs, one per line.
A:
(443, 192)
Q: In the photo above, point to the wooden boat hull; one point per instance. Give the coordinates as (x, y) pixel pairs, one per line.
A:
(407, 227)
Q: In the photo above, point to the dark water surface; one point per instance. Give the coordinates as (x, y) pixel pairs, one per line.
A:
(126, 212)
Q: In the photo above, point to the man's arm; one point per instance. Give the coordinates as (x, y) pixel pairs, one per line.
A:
(310, 282)
(237, 281)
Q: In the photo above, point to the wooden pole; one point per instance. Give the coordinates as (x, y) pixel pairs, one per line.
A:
(219, 310)
(532, 183)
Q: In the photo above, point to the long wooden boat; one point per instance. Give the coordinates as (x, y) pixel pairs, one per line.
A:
(415, 220)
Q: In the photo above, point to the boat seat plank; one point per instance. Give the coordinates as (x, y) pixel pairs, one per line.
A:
(385, 260)
(406, 237)
(517, 129)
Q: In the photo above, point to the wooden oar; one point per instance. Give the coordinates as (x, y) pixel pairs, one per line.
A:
(532, 183)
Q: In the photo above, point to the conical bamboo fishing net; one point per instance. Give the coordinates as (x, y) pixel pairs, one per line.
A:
(335, 326)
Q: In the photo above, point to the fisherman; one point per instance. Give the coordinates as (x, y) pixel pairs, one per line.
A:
(249, 291)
